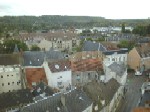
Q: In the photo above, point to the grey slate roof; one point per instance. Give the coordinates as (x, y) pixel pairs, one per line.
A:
(13, 99)
(93, 46)
(9, 59)
(98, 91)
(144, 98)
(36, 58)
(75, 101)
(118, 68)
(121, 51)
(144, 40)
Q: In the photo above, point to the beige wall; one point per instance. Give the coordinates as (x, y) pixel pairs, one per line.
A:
(9, 79)
(133, 59)
(44, 44)
(146, 62)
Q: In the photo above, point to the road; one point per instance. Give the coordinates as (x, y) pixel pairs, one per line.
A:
(133, 93)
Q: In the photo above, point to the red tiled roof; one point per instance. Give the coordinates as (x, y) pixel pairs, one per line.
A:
(58, 66)
(141, 109)
(35, 75)
(87, 65)
(110, 46)
(86, 55)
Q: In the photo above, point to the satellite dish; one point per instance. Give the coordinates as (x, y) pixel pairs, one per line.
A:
(57, 66)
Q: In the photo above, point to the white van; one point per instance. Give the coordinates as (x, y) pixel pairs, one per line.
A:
(138, 73)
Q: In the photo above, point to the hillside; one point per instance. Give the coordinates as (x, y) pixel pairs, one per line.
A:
(32, 23)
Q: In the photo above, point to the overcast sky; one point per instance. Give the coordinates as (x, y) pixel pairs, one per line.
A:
(110, 9)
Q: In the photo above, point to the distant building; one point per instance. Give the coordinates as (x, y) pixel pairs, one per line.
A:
(59, 40)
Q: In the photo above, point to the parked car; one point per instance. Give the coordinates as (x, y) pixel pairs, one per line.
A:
(138, 73)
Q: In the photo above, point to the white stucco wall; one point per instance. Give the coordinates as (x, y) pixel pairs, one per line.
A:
(109, 75)
(9, 79)
(120, 79)
(114, 58)
(53, 78)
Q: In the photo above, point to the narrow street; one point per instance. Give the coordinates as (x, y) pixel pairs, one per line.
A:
(133, 93)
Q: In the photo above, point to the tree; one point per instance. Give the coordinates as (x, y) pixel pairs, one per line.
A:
(9, 46)
(89, 39)
(126, 44)
(101, 39)
(35, 48)
(123, 28)
(141, 30)
(148, 29)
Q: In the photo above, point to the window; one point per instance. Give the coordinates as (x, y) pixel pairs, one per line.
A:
(1, 76)
(2, 84)
(78, 77)
(124, 58)
(8, 83)
(113, 59)
(89, 77)
(7, 75)
(12, 82)
(119, 58)
(59, 83)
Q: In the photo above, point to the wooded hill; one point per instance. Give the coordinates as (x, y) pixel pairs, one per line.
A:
(32, 23)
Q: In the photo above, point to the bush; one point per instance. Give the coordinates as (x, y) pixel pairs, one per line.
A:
(130, 70)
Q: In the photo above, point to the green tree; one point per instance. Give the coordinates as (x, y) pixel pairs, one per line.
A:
(35, 48)
(89, 39)
(101, 39)
(148, 29)
(9, 46)
(141, 30)
(126, 44)
(123, 28)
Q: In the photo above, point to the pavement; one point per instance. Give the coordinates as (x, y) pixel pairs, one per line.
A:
(133, 93)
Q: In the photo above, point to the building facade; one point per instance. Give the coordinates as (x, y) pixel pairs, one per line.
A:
(10, 78)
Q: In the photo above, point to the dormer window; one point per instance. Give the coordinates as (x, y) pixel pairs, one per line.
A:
(65, 67)
(30, 63)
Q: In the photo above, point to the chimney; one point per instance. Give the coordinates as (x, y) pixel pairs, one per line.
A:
(63, 100)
